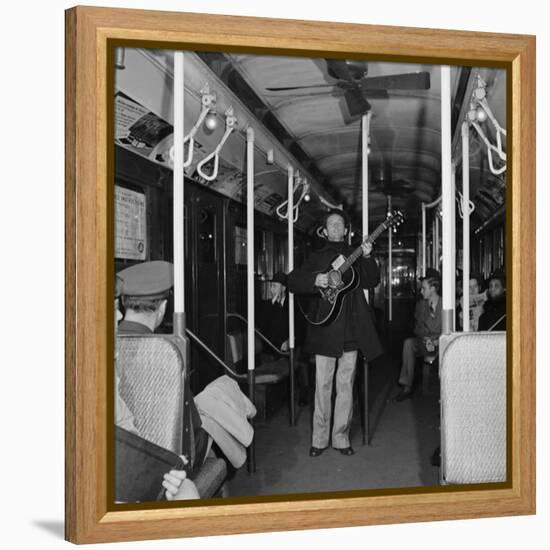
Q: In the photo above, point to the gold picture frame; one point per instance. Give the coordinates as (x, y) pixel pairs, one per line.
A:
(91, 33)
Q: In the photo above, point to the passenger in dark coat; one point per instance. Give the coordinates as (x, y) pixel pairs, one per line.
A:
(272, 315)
(144, 278)
(145, 289)
(273, 319)
(494, 309)
(354, 329)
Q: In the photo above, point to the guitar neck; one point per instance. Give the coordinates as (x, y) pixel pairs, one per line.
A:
(359, 250)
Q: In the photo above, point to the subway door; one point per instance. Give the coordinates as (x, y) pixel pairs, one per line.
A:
(399, 324)
(206, 288)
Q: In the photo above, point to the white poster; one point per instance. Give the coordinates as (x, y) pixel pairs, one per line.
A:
(130, 224)
(127, 113)
(137, 128)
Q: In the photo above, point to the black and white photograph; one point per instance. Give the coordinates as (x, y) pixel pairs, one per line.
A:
(310, 275)
(275, 275)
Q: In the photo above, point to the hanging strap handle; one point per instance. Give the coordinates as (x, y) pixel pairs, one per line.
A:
(230, 123)
(208, 101)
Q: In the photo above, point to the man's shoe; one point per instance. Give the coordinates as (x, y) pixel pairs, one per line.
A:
(347, 451)
(403, 394)
(316, 451)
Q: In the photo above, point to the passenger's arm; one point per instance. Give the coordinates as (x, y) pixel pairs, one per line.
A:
(420, 329)
(178, 487)
(302, 280)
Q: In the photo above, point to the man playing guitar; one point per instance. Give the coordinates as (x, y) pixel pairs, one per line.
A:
(339, 339)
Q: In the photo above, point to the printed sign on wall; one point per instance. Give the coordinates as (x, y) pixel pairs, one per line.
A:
(130, 224)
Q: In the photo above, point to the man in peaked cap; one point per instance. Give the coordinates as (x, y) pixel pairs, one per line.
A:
(145, 288)
(177, 485)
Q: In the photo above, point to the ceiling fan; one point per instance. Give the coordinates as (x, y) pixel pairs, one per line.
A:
(352, 78)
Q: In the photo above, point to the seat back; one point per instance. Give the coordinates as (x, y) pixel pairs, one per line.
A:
(236, 348)
(473, 407)
(151, 371)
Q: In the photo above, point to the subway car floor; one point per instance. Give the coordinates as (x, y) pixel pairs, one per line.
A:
(403, 436)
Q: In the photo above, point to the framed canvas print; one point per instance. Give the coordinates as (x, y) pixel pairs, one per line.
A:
(294, 283)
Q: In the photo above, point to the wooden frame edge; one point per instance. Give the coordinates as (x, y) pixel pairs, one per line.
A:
(70, 275)
(525, 287)
(86, 517)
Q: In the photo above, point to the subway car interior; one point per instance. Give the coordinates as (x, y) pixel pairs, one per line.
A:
(229, 166)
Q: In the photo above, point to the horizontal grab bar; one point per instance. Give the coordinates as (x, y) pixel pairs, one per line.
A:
(225, 366)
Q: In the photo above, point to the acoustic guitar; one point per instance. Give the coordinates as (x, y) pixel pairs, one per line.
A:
(342, 279)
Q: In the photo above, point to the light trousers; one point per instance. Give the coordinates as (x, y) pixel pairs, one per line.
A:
(412, 348)
(343, 407)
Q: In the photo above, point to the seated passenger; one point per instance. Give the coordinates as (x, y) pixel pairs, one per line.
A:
(494, 309)
(477, 299)
(272, 321)
(146, 287)
(427, 329)
(176, 484)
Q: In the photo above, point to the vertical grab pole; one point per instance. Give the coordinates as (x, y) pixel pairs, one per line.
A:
(434, 263)
(453, 242)
(365, 133)
(437, 256)
(365, 139)
(390, 268)
(178, 228)
(250, 277)
(178, 206)
(465, 227)
(423, 239)
(365, 171)
(290, 230)
(447, 202)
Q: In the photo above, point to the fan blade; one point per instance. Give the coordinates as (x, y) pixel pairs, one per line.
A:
(358, 69)
(407, 81)
(376, 94)
(338, 68)
(338, 90)
(356, 103)
(285, 88)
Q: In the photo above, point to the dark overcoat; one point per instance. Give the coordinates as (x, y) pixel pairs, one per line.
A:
(272, 320)
(329, 340)
(193, 423)
(494, 314)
